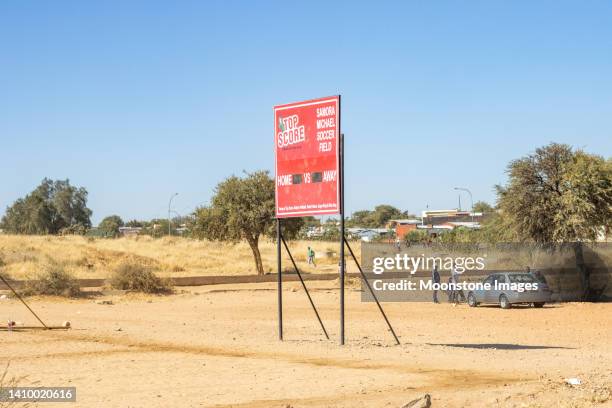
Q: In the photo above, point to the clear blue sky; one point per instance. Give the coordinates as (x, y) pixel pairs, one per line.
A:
(136, 100)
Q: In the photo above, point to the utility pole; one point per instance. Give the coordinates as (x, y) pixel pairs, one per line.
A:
(169, 210)
(471, 199)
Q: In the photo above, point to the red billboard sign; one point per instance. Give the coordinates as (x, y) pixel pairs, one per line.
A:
(306, 136)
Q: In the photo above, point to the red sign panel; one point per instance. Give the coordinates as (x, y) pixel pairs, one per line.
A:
(306, 136)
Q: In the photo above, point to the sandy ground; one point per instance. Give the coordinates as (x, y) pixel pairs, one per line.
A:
(217, 346)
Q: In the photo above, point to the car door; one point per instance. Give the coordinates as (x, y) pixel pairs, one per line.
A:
(493, 294)
(501, 278)
(484, 294)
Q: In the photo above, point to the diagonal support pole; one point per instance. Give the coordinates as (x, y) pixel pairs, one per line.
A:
(365, 279)
(304, 286)
(22, 301)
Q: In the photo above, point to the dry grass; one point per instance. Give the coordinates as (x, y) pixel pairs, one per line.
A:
(10, 381)
(53, 280)
(25, 256)
(139, 278)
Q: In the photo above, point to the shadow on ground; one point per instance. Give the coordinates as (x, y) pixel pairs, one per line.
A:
(499, 346)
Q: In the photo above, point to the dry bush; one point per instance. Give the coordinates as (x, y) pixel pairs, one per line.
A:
(54, 280)
(139, 278)
(349, 283)
(7, 382)
(3, 272)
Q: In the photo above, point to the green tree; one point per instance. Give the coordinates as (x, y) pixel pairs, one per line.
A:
(311, 221)
(241, 208)
(378, 218)
(483, 207)
(416, 237)
(157, 228)
(110, 225)
(291, 228)
(558, 195)
(52, 207)
(359, 218)
(383, 213)
(135, 223)
(492, 230)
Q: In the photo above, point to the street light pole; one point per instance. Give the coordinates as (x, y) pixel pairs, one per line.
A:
(471, 199)
(169, 210)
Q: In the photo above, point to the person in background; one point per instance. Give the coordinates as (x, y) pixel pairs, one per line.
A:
(435, 278)
(311, 256)
(456, 293)
(450, 292)
(398, 244)
(538, 275)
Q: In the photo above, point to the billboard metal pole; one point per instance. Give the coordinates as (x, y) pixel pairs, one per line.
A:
(304, 286)
(308, 177)
(365, 279)
(280, 279)
(342, 265)
(8, 285)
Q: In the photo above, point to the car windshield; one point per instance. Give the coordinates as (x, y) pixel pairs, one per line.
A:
(522, 278)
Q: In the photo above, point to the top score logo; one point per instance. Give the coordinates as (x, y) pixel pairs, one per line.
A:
(290, 131)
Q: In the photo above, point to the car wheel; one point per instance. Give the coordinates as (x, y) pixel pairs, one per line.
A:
(472, 300)
(504, 303)
(538, 304)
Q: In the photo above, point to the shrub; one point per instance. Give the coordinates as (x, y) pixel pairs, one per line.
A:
(10, 381)
(4, 274)
(53, 280)
(75, 229)
(415, 237)
(140, 278)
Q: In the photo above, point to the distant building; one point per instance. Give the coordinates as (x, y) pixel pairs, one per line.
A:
(464, 224)
(315, 231)
(438, 217)
(403, 226)
(435, 230)
(436, 222)
(129, 231)
(367, 234)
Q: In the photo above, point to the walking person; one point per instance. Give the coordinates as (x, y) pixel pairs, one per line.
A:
(435, 278)
(311, 257)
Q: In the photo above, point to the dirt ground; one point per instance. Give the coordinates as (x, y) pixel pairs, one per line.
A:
(217, 346)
